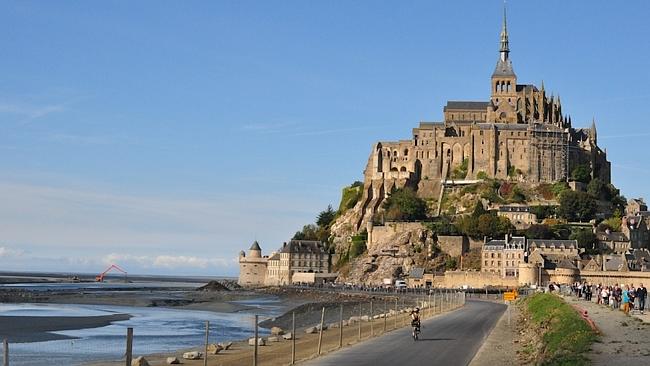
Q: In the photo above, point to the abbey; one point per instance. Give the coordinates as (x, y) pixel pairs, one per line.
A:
(519, 133)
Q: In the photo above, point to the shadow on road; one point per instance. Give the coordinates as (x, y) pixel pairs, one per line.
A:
(435, 339)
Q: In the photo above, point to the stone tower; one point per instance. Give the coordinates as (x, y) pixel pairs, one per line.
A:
(504, 82)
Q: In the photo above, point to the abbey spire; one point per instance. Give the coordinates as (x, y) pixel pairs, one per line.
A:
(505, 47)
(504, 83)
(504, 65)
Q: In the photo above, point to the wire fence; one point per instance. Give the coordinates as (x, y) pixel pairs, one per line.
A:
(304, 333)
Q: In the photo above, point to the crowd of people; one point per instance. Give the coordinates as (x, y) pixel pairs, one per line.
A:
(624, 297)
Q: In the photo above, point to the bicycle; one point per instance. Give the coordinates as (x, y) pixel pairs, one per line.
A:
(416, 330)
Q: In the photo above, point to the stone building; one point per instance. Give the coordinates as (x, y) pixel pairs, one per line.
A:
(636, 206)
(635, 225)
(616, 242)
(296, 256)
(504, 256)
(252, 268)
(519, 132)
(551, 254)
(519, 215)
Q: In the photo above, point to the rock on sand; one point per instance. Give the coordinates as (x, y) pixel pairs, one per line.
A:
(173, 361)
(277, 331)
(140, 361)
(194, 355)
(260, 342)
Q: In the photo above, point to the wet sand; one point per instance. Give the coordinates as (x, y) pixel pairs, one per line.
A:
(38, 328)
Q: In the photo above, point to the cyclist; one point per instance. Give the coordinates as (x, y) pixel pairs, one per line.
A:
(415, 322)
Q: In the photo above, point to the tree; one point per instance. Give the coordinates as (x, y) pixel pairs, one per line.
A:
(598, 189)
(326, 217)
(404, 205)
(612, 223)
(539, 232)
(308, 232)
(577, 206)
(442, 226)
(585, 238)
(478, 210)
(558, 187)
(492, 225)
(581, 173)
(542, 212)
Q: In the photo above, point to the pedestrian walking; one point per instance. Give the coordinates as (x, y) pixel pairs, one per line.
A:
(641, 294)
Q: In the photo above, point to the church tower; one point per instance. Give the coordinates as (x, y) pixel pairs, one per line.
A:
(504, 83)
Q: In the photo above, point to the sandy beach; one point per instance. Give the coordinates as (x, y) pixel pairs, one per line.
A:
(38, 328)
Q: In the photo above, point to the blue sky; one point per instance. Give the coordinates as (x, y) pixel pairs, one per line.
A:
(166, 136)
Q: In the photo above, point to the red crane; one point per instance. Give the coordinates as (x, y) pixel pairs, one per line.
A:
(100, 277)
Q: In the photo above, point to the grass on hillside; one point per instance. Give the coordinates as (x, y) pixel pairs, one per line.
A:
(567, 338)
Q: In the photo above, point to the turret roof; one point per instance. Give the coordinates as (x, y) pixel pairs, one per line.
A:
(255, 246)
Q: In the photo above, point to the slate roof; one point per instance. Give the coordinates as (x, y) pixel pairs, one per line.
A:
(303, 246)
(504, 68)
(521, 87)
(495, 244)
(614, 264)
(566, 263)
(612, 236)
(465, 105)
(552, 242)
(514, 209)
(416, 272)
(255, 246)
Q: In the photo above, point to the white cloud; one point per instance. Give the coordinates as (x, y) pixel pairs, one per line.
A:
(169, 261)
(8, 252)
(81, 228)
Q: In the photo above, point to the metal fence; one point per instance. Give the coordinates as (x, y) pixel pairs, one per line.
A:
(305, 333)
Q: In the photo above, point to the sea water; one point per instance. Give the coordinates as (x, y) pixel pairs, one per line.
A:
(156, 330)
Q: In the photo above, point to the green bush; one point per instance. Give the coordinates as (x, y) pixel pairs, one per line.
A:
(481, 175)
(350, 197)
(357, 248)
(558, 187)
(460, 172)
(577, 206)
(404, 205)
(581, 173)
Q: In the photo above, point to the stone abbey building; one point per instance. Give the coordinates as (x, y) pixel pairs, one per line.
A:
(519, 132)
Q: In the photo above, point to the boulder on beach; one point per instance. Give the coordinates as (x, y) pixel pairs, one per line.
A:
(214, 349)
(277, 331)
(213, 286)
(226, 346)
(288, 336)
(365, 318)
(272, 339)
(140, 361)
(333, 325)
(173, 361)
(194, 355)
(354, 319)
(311, 330)
(345, 323)
(260, 341)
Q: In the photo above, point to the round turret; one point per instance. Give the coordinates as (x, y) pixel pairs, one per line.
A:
(528, 274)
(255, 251)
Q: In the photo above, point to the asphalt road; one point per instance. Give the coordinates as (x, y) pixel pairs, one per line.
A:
(450, 339)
